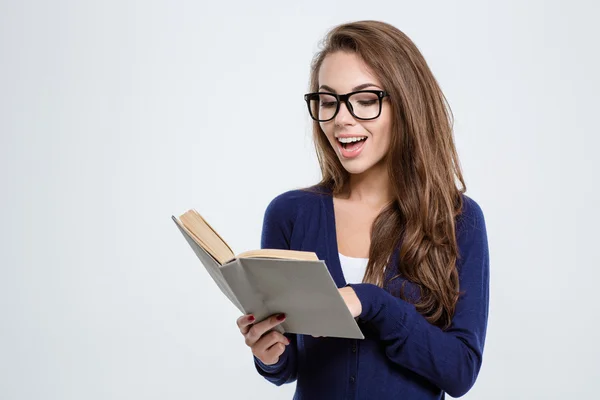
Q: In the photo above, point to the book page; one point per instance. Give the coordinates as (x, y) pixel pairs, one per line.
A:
(212, 266)
(279, 253)
(206, 236)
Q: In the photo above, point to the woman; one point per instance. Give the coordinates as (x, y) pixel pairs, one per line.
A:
(407, 248)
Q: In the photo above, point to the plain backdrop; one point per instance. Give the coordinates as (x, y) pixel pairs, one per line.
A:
(116, 115)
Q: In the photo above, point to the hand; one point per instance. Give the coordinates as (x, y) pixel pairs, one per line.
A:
(266, 345)
(352, 301)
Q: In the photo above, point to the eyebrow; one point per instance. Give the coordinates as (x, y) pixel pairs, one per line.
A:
(354, 89)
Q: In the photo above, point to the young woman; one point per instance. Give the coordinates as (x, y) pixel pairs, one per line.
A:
(407, 248)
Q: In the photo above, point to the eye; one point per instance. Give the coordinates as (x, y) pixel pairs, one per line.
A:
(367, 102)
(328, 104)
(365, 99)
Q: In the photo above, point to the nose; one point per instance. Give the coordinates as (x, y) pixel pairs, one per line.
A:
(343, 116)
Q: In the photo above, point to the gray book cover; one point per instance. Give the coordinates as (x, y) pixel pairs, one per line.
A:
(303, 290)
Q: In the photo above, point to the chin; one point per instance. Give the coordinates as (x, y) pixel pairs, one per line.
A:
(354, 167)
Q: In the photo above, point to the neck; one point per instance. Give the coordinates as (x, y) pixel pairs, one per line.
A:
(371, 187)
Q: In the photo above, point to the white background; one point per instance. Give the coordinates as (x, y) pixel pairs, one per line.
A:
(115, 115)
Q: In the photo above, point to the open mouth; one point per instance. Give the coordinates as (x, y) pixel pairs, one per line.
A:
(352, 143)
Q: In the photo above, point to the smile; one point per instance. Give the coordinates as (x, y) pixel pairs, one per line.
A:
(351, 147)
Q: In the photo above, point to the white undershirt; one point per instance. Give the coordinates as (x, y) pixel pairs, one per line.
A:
(353, 268)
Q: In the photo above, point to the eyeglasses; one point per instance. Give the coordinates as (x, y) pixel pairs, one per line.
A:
(363, 105)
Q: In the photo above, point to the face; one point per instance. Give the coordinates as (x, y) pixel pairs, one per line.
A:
(342, 73)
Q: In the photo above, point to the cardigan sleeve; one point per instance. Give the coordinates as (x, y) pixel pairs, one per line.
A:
(450, 358)
(276, 234)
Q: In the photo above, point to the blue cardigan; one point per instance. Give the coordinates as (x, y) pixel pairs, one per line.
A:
(402, 356)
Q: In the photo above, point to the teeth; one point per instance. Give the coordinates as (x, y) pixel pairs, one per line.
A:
(351, 139)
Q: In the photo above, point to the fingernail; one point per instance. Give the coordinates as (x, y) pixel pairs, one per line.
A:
(251, 318)
(288, 340)
(280, 317)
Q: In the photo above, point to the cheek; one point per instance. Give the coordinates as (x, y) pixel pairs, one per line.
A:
(387, 137)
(385, 134)
(384, 124)
(329, 131)
(381, 134)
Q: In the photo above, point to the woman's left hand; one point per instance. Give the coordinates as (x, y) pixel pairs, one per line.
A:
(351, 300)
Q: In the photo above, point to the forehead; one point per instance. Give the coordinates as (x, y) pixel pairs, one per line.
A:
(342, 71)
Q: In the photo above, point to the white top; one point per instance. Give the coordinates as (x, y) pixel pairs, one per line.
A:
(353, 268)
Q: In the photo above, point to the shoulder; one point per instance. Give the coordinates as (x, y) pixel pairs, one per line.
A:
(288, 204)
(471, 216)
(471, 231)
(284, 214)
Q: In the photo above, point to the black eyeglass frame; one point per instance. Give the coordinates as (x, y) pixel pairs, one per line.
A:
(381, 94)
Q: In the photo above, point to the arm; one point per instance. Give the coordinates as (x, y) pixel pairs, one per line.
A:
(276, 234)
(450, 359)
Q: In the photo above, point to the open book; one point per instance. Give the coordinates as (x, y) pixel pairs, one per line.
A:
(214, 244)
(270, 281)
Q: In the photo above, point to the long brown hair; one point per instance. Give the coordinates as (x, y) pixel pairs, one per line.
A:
(422, 163)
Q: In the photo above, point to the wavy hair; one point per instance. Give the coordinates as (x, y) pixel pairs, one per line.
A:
(422, 163)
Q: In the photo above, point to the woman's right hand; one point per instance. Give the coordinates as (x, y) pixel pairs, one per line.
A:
(266, 345)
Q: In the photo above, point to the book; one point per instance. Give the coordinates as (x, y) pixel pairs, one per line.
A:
(265, 282)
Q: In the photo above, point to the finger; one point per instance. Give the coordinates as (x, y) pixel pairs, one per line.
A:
(268, 340)
(244, 322)
(259, 329)
(273, 353)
